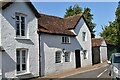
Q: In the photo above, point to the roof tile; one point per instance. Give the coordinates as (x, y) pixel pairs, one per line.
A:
(96, 41)
(57, 25)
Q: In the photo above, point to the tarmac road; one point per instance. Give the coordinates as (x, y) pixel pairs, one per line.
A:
(97, 73)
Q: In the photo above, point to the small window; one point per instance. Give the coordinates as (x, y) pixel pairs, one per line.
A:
(65, 39)
(20, 25)
(21, 56)
(67, 56)
(58, 57)
(85, 54)
(84, 36)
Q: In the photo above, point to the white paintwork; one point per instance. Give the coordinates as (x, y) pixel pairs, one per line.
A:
(0, 24)
(49, 44)
(0, 44)
(0, 65)
(10, 43)
(103, 51)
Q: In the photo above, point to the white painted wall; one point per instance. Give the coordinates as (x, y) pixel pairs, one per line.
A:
(52, 43)
(103, 51)
(0, 45)
(49, 45)
(86, 45)
(0, 65)
(10, 44)
(0, 23)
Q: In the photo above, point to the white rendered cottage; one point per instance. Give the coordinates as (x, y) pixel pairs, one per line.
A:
(64, 43)
(60, 44)
(19, 49)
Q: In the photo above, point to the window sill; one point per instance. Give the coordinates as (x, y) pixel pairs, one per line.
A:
(21, 74)
(21, 38)
(66, 43)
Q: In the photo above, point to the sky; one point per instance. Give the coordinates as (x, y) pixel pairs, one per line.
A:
(103, 11)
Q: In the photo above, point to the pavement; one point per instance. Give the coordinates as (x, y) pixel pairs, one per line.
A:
(74, 71)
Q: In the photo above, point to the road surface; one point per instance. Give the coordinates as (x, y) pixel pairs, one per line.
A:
(95, 74)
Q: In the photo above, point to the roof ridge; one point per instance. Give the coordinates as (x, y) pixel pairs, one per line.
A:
(74, 16)
(51, 16)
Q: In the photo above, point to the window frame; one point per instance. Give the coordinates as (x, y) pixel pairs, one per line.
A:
(22, 70)
(67, 57)
(58, 57)
(19, 24)
(65, 40)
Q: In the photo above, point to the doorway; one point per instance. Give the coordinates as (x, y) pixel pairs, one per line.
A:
(77, 57)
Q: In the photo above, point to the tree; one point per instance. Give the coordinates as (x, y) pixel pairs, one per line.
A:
(118, 25)
(111, 33)
(89, 17)
(71, 11)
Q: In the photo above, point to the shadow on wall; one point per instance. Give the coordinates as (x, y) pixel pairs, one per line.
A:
(74, 45)
(8, 65)
(69, 47)
(25, 41)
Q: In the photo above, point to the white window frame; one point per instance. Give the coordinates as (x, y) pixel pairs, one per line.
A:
(21, 63)
(19, 22)
(58, 57)
(65, 39)
(84, 36)
(67, 56)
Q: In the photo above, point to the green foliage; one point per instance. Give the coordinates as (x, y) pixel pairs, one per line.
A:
(89, 17)
(111, 33)
(71, 11)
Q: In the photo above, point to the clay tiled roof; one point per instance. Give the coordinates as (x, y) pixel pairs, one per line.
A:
(70, 22)
(56, 25)
(96, 41)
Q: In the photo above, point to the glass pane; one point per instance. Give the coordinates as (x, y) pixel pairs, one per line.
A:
(17, 17)
(18, 53)
(23, 56)
(67, 56)
(23, 66)
(17, 29)
(18, 56)
(22, 32)
(84, 34)
(18, 67)
(58, 57)
(22, 20)
(67, 39)
(23, 26)
(63, 40)
(17, 26)
(18, 60)
(17, 32)
(23, 53)
(23, 60)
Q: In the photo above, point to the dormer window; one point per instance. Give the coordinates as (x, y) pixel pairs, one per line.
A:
(20, 25)
(65, 39)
